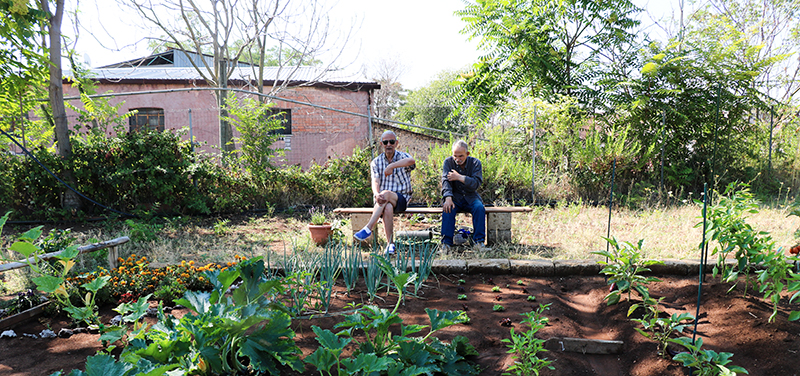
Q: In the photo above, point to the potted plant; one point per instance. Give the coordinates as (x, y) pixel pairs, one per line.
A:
(319, 228)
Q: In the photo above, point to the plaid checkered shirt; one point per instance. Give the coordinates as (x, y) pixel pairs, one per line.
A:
(399, 180)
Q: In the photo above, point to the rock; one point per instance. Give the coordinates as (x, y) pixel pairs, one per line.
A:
(47, 333)
(65, 333)
(116, 320)
(8, 334)
(168, 309)
(28, 335)
(80, 330)
(94, 329)
(151, 312)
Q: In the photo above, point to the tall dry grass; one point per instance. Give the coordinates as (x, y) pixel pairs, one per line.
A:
(572, 232)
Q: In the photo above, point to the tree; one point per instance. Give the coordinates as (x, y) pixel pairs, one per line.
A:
(297, 31)
(431, 106)
(770, 28)
(387, 71)
(23, 67)
(542, 47)
(56, 91)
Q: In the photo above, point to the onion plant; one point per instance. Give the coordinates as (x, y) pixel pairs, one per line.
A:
(373, 276)
(329, 268)
(351, 267)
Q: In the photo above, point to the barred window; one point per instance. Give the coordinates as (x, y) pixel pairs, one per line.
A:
(285, 116)
(147, 119)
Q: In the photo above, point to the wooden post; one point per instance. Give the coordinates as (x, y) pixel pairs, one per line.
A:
(112, 257)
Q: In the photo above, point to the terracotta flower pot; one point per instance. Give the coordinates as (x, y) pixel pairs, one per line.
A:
(320, 233)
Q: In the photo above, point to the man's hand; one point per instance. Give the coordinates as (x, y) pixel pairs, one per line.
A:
(453, 175)
(388, 171)
(448, 204)
(380, 199)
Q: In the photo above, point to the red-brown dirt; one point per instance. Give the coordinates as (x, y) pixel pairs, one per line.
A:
(729, 322)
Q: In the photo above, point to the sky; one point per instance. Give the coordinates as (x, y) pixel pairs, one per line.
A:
(422, 35)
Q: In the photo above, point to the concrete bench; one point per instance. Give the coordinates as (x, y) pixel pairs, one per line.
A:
(498, 219)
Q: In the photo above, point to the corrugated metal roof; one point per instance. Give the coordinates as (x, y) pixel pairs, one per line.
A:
(295, 74)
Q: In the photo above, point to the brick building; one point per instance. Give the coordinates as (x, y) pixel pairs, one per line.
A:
(171, 94)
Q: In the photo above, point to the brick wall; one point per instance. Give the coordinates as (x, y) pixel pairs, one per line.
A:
(416, 144)
(317, 134)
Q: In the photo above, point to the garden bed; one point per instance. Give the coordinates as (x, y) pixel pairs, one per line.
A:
(729, 322)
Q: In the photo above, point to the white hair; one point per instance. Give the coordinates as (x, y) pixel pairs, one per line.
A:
(460, 144)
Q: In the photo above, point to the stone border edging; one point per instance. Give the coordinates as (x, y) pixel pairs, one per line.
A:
(557, 268)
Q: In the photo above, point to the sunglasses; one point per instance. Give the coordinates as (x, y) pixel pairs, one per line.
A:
(387, 142)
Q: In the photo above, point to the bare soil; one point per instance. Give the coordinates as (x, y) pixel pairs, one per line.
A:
(729, 322)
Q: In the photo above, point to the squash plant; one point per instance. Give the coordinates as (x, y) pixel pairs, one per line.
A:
(53, 280)
(248, 331)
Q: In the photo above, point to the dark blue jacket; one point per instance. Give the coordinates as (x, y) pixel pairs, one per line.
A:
(473, 178)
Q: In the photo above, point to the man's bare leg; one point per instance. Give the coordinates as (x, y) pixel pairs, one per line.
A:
(388, 222)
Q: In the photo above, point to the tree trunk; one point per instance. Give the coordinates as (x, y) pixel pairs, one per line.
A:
(70, 199)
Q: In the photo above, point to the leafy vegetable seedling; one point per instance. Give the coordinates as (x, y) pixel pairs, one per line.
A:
(521, 283)
(531, 298)
(461, 282)
(462, 297)
(498, 308)
(496, 289)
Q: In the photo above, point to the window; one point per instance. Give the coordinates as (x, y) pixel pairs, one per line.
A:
(147, 119)
(285, 116)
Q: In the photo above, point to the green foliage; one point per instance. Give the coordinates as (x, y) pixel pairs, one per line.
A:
(705, 362)
(623, 267)
(540, 47)
(674, 105)
(726, 224)
(767, 269)
(52, 278)
(257, 125)
(137, 170)
(526, 347)
(657, 328)
(377, 350)
(498, 308)
(104, 364)
(247, 331)
(430, 107)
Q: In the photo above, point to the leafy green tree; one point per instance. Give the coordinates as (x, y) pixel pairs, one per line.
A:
(431, 106)
(542, 47)
(23, 71)
(682, 85)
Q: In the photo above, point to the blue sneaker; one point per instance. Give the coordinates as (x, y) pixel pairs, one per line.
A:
(390, 249)
(363, 234)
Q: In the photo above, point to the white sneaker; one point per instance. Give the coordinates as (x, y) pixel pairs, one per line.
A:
(390, 249)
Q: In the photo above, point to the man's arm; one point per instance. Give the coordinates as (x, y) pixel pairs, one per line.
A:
(447, 188)
(474, 178)
(402, 163)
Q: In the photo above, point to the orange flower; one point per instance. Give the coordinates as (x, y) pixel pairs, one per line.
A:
(795, 250)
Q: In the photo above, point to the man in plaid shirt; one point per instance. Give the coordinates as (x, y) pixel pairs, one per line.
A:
(391, 188)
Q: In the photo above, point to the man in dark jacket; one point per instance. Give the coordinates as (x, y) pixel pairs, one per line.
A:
(462, 175)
